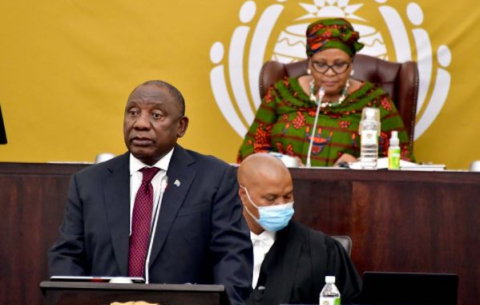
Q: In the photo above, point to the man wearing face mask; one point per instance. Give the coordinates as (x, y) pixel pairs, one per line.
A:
(290, 260)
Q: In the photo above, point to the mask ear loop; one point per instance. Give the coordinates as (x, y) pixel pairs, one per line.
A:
(249, 198)
(251, 201)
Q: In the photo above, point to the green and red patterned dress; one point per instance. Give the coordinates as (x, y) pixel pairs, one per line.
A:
(284, 120)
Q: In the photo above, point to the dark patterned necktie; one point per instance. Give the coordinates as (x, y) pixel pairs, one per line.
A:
(141, 220)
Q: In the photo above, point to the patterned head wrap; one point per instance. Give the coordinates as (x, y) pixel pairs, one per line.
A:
(336, 33)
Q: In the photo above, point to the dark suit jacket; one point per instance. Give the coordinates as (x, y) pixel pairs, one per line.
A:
(201, 236)
(294, 269)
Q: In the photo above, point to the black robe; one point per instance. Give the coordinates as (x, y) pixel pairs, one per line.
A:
(294, 269)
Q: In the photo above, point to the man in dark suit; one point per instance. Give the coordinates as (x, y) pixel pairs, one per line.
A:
(184, 225)
(290, 260)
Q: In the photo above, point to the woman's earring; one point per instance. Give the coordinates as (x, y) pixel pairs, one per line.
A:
(352, 72)
(309, 71)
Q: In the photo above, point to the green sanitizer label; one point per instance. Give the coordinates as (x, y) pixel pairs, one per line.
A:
(394, 158)
(329, 301)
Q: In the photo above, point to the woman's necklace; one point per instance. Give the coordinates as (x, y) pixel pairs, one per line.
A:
(328, 104)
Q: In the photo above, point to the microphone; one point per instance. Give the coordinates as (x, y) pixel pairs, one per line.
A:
(3, 133)
(321, 94)
(153, 227)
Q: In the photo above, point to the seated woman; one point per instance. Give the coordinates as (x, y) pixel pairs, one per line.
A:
(284, 120)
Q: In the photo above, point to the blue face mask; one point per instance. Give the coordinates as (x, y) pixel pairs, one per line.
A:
(274, 217)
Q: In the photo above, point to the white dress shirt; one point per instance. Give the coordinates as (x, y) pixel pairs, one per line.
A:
(261, 245)
(136, 177)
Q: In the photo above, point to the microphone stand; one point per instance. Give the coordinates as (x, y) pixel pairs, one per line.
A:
(321, 93)
(163, 186)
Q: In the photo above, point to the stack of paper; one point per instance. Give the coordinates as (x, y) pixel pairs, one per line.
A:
(382, 163)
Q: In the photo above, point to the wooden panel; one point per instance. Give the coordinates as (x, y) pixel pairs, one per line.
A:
(32, 200)
(398, 221)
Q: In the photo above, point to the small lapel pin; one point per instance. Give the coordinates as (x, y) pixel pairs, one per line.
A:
(177, 183)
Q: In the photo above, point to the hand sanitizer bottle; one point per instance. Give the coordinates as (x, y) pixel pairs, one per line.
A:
(394, 152)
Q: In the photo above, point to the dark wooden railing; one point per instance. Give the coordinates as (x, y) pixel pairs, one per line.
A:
(398, 221)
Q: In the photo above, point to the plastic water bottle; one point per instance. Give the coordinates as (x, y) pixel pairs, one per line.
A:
(369, 131)
(394, 152)
(329, 294)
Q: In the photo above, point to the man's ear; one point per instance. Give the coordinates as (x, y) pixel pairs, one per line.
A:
(182, 126)
(242, 194)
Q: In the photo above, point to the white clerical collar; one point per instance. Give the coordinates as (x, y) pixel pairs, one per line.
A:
(266, 237)
(163, 163)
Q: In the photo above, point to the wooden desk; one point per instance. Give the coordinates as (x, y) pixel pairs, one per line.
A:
(77, 293)
(399, 221)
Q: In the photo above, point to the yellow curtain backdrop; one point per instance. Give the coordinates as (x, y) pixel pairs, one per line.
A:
(67, 67)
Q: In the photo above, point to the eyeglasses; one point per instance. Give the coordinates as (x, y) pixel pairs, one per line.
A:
(337, 68)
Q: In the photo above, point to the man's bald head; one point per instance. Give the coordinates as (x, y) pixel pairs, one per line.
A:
(261, 167)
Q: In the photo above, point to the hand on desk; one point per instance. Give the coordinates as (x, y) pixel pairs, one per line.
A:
(345, 158)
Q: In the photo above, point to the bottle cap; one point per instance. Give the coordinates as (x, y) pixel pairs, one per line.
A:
(330, 279)
(394, 138)
(369, 113)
